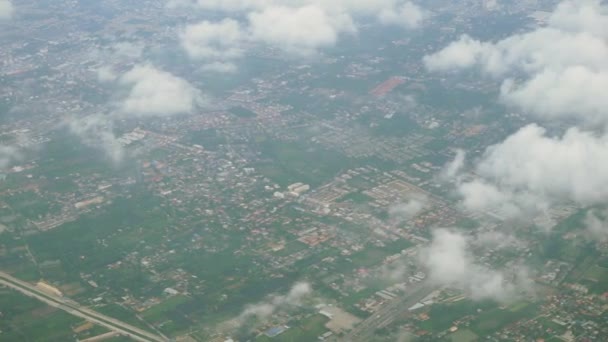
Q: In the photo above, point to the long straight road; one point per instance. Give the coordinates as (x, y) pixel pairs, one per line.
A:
(75, 309)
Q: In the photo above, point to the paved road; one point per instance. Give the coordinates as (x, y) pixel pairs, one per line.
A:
(75, 309)
(364, 331)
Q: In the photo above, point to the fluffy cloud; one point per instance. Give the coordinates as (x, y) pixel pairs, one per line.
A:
(96, 131)
(106, 74)
(530, 171)
(299, 27)
(148, 92)
(569, 167)
(565, 64)
(213, 40)
(8, 155)
(154, 92)
(6, 9)
(573, 92)
(359, 8)
(299, 30)
(407, 210)
(555, 72)
(463, 53)
(265, 309)
(407, 15)
(118, 54)
(596, 224)
(450, 263)
(453, 168)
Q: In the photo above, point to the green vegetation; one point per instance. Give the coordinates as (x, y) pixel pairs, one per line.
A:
(357, 197)
(463, 335)
(242, 112)
(308, 330)
(27, 319)
(551, 326)
(87, 233)
(493, 320)
(443, 316)
(289, 163)
(291, 248)
(121, 313)
(156, 312)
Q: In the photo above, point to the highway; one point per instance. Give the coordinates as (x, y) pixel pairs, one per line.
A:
(388, 313)
(75, 309)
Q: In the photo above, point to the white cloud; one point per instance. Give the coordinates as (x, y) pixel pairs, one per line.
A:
(596, 225)
(565, 64)
(148, 92)
(408, 209)
(117, 54)
(353, 7)
(154, 92)
(224, 5)
(463, 53)
(300, 30)
(407, 15)
(570, 167)
(299, 27)
(265, 309)
(573, 92)
(450, 263)
(555, 72)
(454, 168)
(96, 131)
(530, 171)
(106, 74)
(213, 40)
(8, 155)
(6, 10)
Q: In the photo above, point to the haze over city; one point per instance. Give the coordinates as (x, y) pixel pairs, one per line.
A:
(303, 170)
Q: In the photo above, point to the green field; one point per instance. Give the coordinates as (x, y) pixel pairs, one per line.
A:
(496, 319)
(242, 112)
(289, 163)
(597, 273)
(26, 319)
(442, 316)
(158, 311)
(308, 330)
(465, 335)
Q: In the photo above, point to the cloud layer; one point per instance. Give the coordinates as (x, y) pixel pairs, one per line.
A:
(297, 27)
(450, 263)
(300, 30)
(596, 224)
(8, 155)
(154, 92)
(565, 64)
(213, 41)
(531, 170)
(97, 131)
(407, 210)
(6, 10)
(265, 309)
(556, 72)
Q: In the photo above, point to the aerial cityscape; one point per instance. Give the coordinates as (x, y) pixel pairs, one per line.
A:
(303, 170)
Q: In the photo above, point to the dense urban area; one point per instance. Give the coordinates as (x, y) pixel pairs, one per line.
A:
(301, 170)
